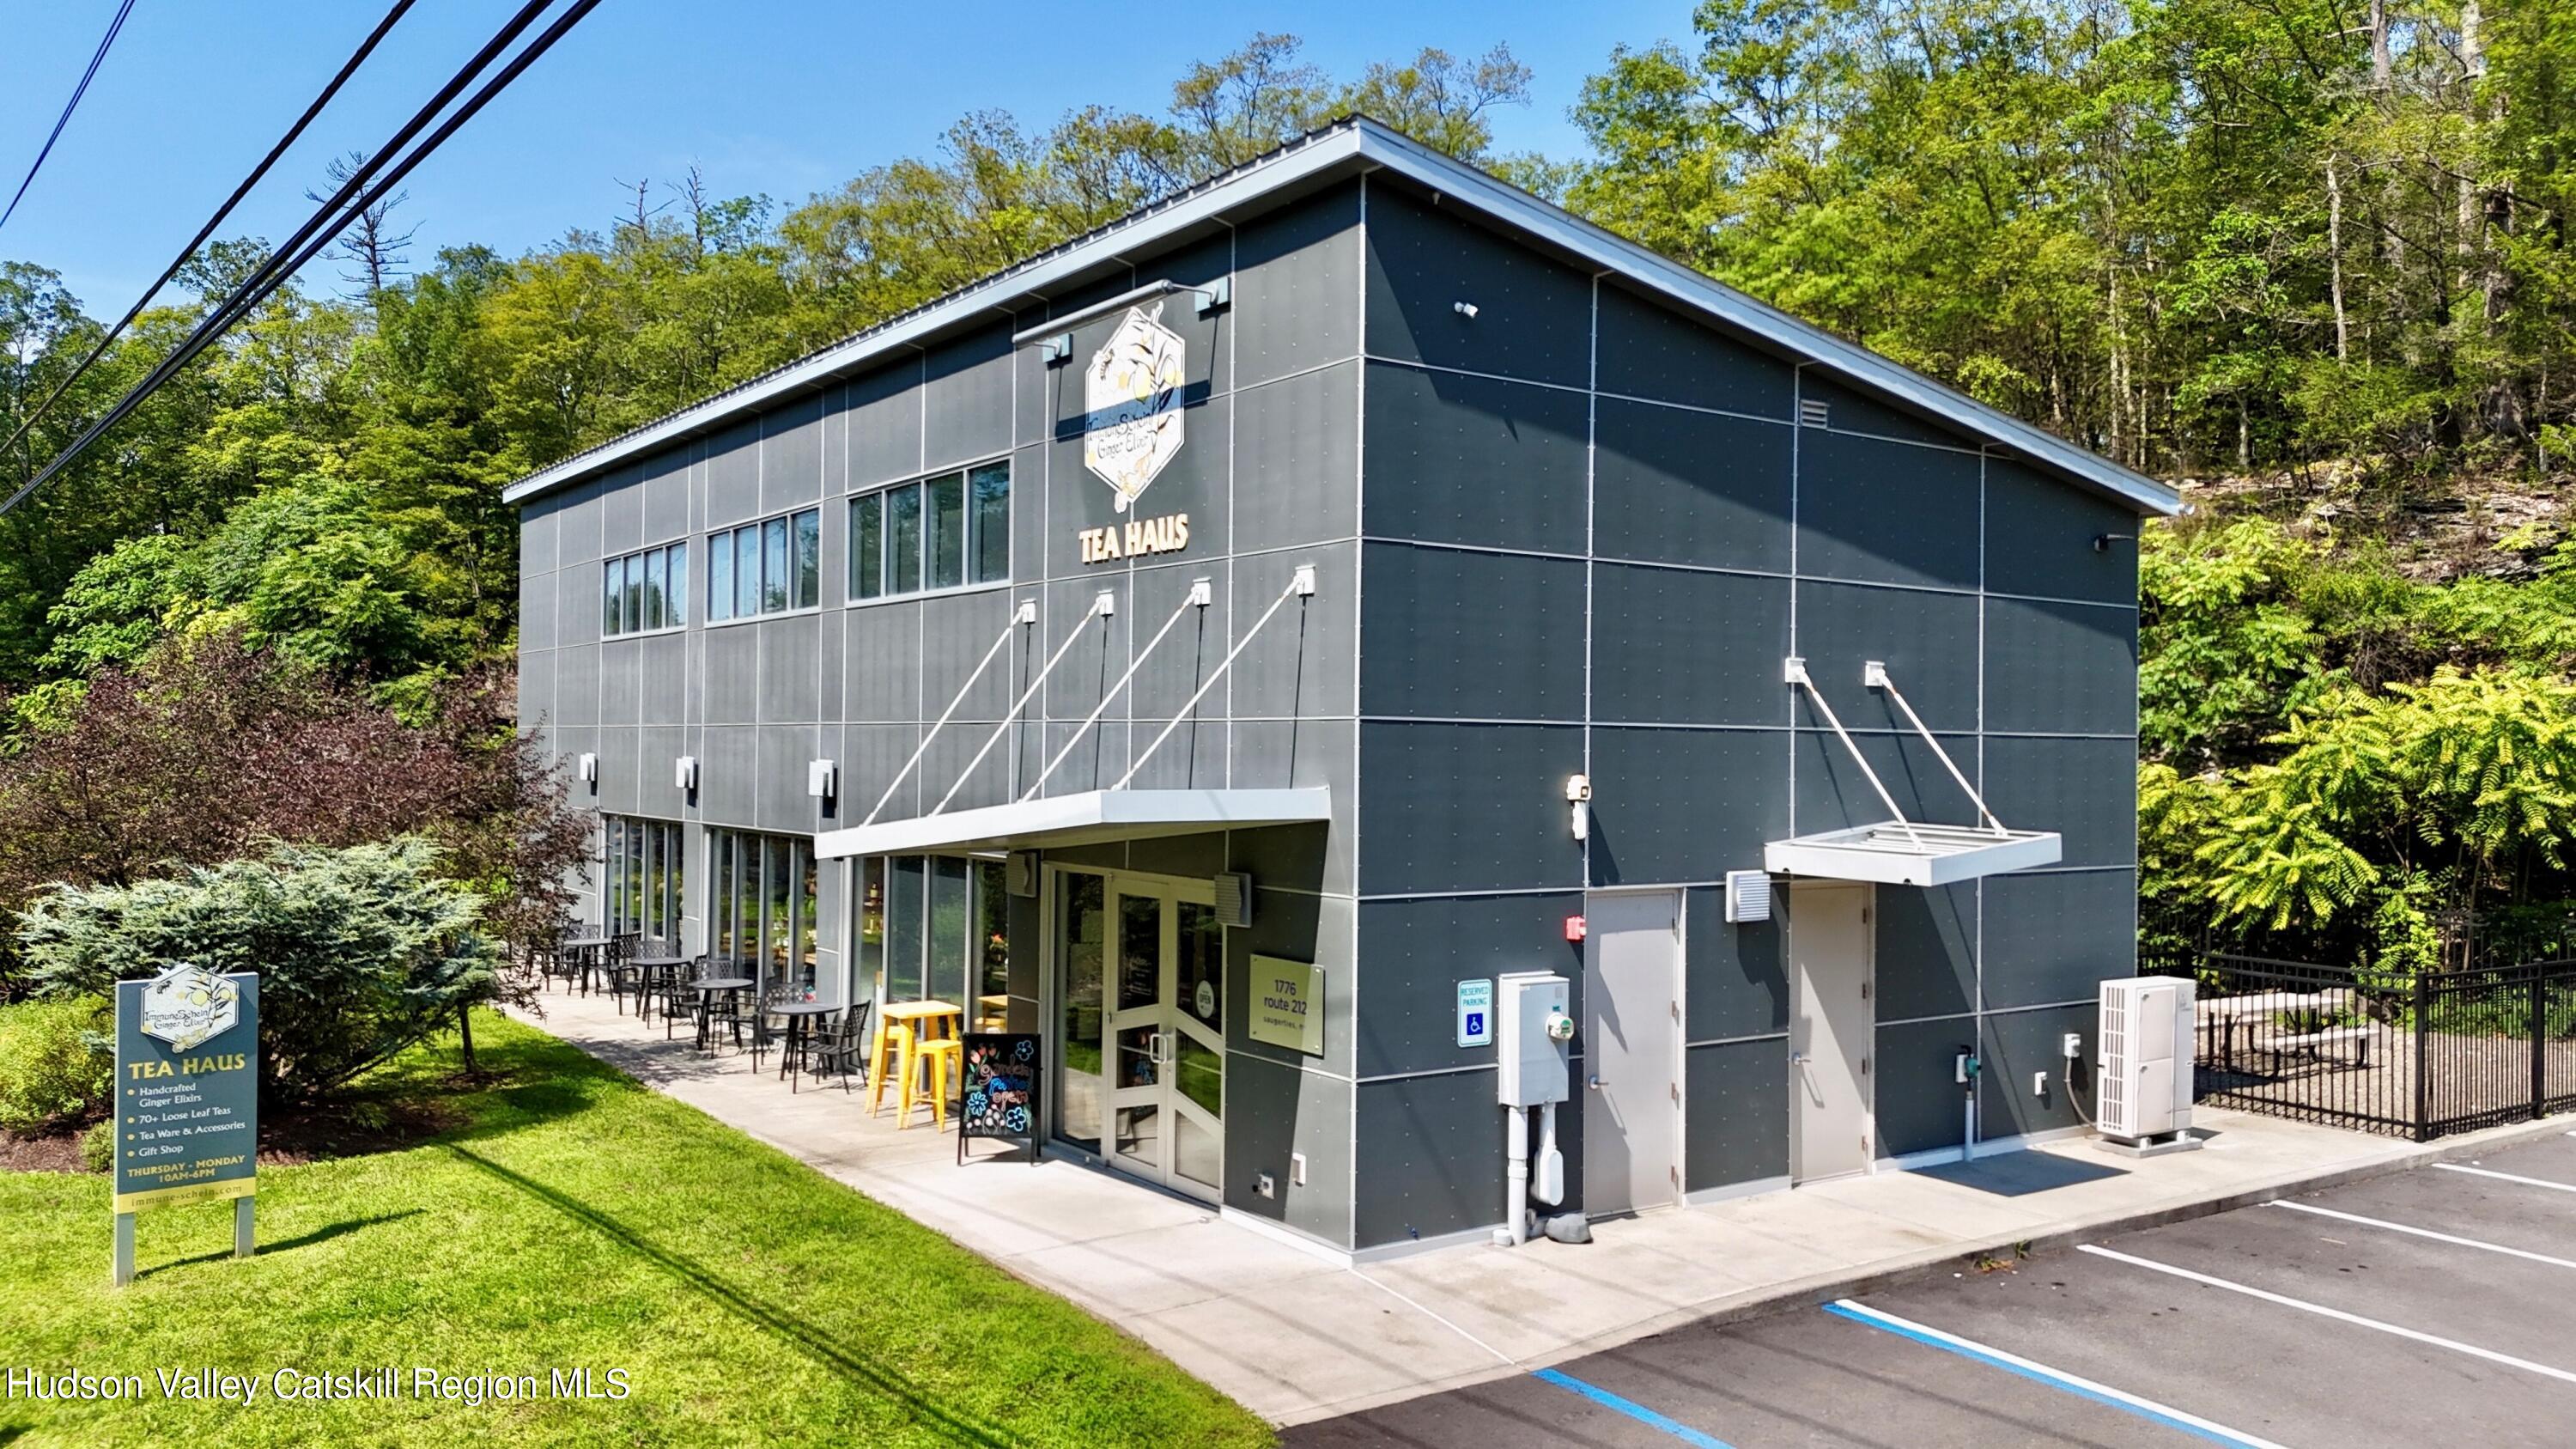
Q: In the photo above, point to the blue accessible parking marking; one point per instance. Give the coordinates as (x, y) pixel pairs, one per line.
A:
(1633, 1410)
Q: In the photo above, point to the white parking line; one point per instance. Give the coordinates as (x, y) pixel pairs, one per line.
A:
(2032, 1369)
(2507, 1176)
(2324, 1212)
(2471, 1349)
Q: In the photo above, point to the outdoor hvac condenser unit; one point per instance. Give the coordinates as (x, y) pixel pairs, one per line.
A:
(2145, 1045)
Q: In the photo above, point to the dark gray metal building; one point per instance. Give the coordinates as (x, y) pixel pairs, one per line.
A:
(1317, 535)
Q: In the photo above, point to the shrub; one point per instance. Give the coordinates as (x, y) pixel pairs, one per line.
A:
(57, 1060)
(98, 1146)
(360, 951)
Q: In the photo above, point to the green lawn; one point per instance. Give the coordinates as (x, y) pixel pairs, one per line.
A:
(572, 1218)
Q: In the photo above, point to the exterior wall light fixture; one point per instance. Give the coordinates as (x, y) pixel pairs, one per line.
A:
(586, 766)
(1578, 799)
(684, 774)
(1464, 309)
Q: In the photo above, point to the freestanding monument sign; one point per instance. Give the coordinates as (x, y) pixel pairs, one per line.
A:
(187, 1098)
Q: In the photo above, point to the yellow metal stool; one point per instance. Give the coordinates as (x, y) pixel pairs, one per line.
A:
(899, 1036)
(942, 1057)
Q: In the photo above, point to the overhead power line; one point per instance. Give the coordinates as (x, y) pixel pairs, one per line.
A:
(334, 215)
(347, 69)
(69, 106)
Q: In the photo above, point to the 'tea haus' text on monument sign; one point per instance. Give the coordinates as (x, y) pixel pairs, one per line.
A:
(187, 1088)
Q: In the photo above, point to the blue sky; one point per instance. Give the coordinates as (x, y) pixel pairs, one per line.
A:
(784, 98)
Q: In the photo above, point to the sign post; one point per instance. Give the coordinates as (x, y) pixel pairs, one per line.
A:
(187, 1099)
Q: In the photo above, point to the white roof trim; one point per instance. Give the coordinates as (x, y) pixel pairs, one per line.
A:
(1898, 853)
(1080, 819)
(1373, 143)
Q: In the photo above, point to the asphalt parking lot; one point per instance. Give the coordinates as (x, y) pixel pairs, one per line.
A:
(2429, 1307)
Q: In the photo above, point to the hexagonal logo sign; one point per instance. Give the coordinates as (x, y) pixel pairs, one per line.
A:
(188, 1004)
(1132, 393)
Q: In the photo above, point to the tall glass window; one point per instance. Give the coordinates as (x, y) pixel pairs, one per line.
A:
(947, 498)
(612, 598)
(809, 559)
(906, 909)
(657, 579)
(773, 554)
(763, 909)
(678, 591)
(903, 539)
(991, 949)
(634, 591)
(1079, 970)
(746, 572)
(989, 502)
(644, 884)
(766, 567)
(867, 546)
(942, 532)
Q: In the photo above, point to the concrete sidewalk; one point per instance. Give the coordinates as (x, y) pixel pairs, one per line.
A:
(1296, 1337)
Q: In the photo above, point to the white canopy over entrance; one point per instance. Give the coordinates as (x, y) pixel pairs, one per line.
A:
(1899, 851)
(1093, 815)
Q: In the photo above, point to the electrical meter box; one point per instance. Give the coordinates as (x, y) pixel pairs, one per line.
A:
(1534, 1029)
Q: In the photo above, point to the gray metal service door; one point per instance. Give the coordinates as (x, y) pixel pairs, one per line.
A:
(1632, 1105)
(1831, 1022)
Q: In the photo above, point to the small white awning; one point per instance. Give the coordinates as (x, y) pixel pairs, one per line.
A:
(1901, 852)
(1084, 819)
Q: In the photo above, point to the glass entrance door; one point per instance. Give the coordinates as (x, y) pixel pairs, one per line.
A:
(1162, 1014)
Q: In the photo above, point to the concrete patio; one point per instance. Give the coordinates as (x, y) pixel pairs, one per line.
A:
(1295, 1336)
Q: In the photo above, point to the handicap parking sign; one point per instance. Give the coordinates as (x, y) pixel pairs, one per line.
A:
(1475, 1013)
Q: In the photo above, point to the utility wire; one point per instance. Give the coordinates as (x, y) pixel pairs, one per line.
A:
(69, 106)
(356, 58)
(333, 217)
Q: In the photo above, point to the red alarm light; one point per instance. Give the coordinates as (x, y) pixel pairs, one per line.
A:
(1575, 929)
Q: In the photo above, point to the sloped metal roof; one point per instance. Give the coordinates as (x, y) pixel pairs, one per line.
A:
(1358, 145)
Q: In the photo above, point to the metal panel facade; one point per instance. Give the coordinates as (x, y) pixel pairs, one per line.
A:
(1593, 560)
(862, 681)
(1557, 528)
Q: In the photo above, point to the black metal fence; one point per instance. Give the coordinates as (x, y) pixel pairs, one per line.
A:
(2413, 1054)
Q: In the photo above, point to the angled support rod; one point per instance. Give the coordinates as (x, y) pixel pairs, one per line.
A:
(1794, 671)
(1103, 605)
(1026, 613)
(1874, 675)
(1300, 585)
(1199, 596)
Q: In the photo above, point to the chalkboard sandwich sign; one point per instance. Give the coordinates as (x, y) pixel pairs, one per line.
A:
(998, 1090)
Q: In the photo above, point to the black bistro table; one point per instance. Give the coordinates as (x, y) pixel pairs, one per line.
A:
(588, 953)
(649, 970)
(798, 1013)
(708, 988)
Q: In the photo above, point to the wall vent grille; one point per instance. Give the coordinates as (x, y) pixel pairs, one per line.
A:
(1748, 895)
(1814, 412)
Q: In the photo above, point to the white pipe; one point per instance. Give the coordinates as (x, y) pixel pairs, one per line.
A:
(1549, 1186)
(1516, 1193)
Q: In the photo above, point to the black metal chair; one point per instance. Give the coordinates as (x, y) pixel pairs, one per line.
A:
(841, 1046)
(677, 1000)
